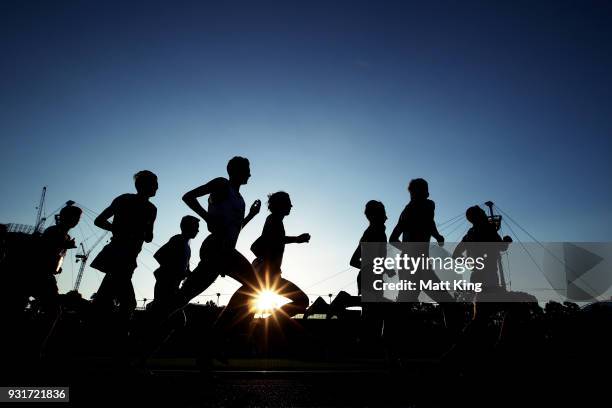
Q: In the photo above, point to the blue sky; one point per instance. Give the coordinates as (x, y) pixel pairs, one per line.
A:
(334, 102)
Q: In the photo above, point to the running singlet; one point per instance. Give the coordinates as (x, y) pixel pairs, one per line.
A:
(134, 216)
(417, 221)
(227, 213)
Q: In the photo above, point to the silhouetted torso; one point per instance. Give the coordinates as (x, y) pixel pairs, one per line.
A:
(173, 257)
(484, 233)
(134, 216)
(270, 246)
(417, 220)
(374, 233)
(226, 208)
(52, 249)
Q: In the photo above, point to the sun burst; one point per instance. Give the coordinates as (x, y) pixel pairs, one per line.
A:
(266, 301)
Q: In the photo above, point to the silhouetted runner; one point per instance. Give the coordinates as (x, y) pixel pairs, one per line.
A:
(375, 233)
(483, 231)
(372, 312)
(53, 244)
(269, 249)
(132, 226)
(225, 219)
(377, 216)
(41, 283)
(416, 225)
(482, 241)
(173, 258)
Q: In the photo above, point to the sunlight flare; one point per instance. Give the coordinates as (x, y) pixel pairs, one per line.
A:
(266, 301)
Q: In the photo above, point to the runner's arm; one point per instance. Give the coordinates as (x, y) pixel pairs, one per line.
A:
(102, 220)
(300, 239)
(148, 237)
(255, 207)
(356, 258)
(191, 197)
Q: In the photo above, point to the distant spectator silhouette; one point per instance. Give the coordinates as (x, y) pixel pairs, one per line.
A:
(132, 226)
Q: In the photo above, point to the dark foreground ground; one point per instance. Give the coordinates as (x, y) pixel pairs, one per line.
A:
(559, 356)
(286, 383)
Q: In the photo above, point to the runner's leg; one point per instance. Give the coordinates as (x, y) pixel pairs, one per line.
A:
(299, 299)
(239, 305)
(103, 300)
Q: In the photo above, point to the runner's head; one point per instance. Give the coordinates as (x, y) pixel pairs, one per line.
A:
(70, 216)
(279, 203)
(146, 183)
(476, 215)
(190, 226)
(418, 188)
(239, 169)
(375, 212)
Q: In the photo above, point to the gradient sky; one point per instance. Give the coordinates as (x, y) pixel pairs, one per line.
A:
(334, 102)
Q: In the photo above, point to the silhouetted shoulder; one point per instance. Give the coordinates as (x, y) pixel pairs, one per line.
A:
(177, 239)
(273, 226)
(119, 201)
(131, 200)
(152, 208)
(419, 209)
(424, 205)
(220, 189)
(177, 248)
(219, 182)
(55, 236)
(133, 215)
(272, 238)
(374, 234)
(52, 231)
(485, 233)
